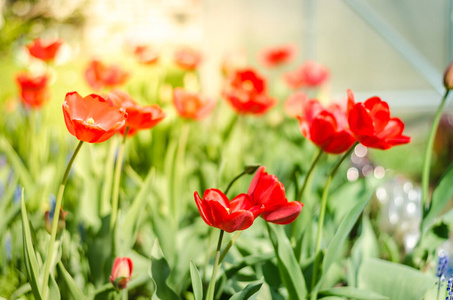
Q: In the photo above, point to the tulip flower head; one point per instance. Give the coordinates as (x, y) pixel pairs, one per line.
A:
(217, 211)
(372, 126)
(121, 272)
(34, 91)
(309, 74)
(99, 75)
(294, 105)
(44, 50)
(92, 119)
(268, 191)
(187, 58)
(327, 128)
(448, 77)
(276, 56)
(246, 91)
(192, 105)
(138, 117)
(146, 55)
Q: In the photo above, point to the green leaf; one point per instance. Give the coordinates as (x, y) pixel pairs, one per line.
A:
(31, 263)
(16, 163)
(54, 291)
(441, 196)
(352, 293)
(247, 261)
(160, 271)
(196, 282)
(342, 233)
(72, 286)
(288, 266)
(128, 227)
(393, 280)
(249, 292)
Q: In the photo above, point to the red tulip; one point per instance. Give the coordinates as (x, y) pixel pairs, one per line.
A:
(372, 126)
(245, 90)
(266, 190)
(217, 211)
(99, 75)
(295, 104)
(310, 74)
(192, 105)
(138, 117)
(146, 55)
(187, 58)
(34, 91)
(121, 272)
(327, 128)
(44, 50)
(276, 56)
(92, 119)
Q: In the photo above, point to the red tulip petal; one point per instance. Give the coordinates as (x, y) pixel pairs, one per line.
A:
(340, 142)
(322, 129)
(379, 112)
(374, 142)
(400, 140)
(199, 203)
(304, 127)
(241, 202)
(351, 100)
(216, 196)
(238, 220)
(360, 122)
(393, 129)
(87, 133)
(283, 214)
(215, 212)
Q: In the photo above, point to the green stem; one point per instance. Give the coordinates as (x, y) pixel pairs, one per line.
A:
(429, 152)
(307, 177)
(229, 245)
(211, 288)
(233, 181)
(116, 184)
(55, 220)
(322, 213)
(179, 171)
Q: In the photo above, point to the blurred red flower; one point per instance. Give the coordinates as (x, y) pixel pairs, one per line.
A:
(187, 58)
(138, 117)
(266, 190)
(34, 91)
(294, 105)
(92, 119)
(246, 91)
(121, 272)
(217, 211)
(192, 105)
(44, 50)
(327, 128)
(309, 74)
(448, 77)
(99, 75)
(276, 56)
(372, 126)
(146, 54)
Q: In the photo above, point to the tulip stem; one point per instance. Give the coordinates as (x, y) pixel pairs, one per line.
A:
(116, 184)
(229, 245)
(233, 181)
(429, 152)
(307, 177)
(55, 220)
(322, 213)
(211, 287)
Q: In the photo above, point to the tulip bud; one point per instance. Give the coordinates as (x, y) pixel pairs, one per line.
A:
(448, 77)
(48, 219)
(121, 272)
(250, 169)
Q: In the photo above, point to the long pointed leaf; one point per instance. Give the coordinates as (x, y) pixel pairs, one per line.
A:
(290, 271)
(72, 286)
(31, 263)
(196, 282)
(250, 292)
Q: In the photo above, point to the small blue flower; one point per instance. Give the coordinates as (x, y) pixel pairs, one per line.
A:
(17, 194)
(52, 204)
(449, 289)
